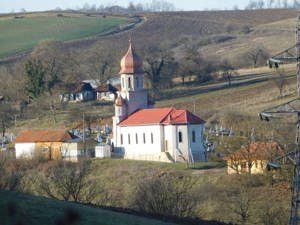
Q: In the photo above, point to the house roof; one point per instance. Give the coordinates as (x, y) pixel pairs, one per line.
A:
(29, 136)
(107, 88)
(84, 87)
(165, 116)
(257, 151)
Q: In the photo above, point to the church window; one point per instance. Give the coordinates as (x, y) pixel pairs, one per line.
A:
(151, 138)
(144, 138)
(136, 138)
(129, 139)
(137, 82)
(123, 83)
(129, 82)
(180, 136)
(193, 136)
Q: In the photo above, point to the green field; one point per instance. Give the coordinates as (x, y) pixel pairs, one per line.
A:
(24, 32)
(18, 208)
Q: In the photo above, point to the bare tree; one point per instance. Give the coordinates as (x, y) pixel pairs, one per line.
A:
(101, 61)
(64, 180)
(257, 55)
(171, 199)
(7, 114)
(227, 71)
(159, 65)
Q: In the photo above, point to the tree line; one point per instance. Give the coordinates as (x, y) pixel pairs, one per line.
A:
(268, 4)
(151, 6)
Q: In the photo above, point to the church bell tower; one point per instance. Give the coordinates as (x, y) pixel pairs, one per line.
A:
(133, 95)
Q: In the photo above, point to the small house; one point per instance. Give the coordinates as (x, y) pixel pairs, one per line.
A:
(253, 158)
(83, 92)
(42, 143)
(106, 92)
(52, 144)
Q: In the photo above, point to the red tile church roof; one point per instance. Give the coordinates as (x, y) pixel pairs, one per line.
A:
(166, 116)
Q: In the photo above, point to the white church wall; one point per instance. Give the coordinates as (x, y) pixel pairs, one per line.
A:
(183, 141)
(144, 143)
(170, 140)
(196, 141)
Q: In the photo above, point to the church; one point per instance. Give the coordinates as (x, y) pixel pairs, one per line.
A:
(142, 132)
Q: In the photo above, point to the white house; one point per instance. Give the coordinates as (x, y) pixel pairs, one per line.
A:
(145, 133)
(52, 144)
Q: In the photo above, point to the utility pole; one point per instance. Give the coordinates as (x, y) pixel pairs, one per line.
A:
(83, 133)
(291, 107)
(294, 216)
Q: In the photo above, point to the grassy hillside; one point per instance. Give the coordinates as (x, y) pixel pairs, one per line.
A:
(208, 31)
(23, 32)
(16, 207)
(129, 184)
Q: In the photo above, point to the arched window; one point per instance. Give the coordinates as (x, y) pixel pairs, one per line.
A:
(193, 136)
(129, 139)
(136, 138)
(121, 139)
(144, 138)
(151, 138)
(129, 82)
(179, 136)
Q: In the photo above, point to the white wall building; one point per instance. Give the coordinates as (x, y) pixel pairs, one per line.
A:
(145, 133)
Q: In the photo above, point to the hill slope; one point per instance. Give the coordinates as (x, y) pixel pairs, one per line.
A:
(23, 32)
(25, 209)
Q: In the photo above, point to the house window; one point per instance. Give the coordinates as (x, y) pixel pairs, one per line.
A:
(193, 136)
(180, 136)
(129, 139)
(151, 138)
(136, 138)
(129, 82)
(144, 138)
(121, 139)
(243, 166)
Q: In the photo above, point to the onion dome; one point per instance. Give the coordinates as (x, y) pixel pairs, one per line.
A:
(119, 101)
(131, 63)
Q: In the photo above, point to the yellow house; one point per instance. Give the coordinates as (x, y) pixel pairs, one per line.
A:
(253, 158)
(48, 144)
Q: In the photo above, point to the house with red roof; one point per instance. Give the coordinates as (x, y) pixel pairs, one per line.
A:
(52, 144)
(253, 158)
(143, 132)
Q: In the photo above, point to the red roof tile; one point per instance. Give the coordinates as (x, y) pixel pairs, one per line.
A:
(257, 151)
(166, 116)
(30, 136)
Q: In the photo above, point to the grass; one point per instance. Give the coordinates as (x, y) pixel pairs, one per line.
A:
(251, 97)
(16, 207)
(26, 32)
